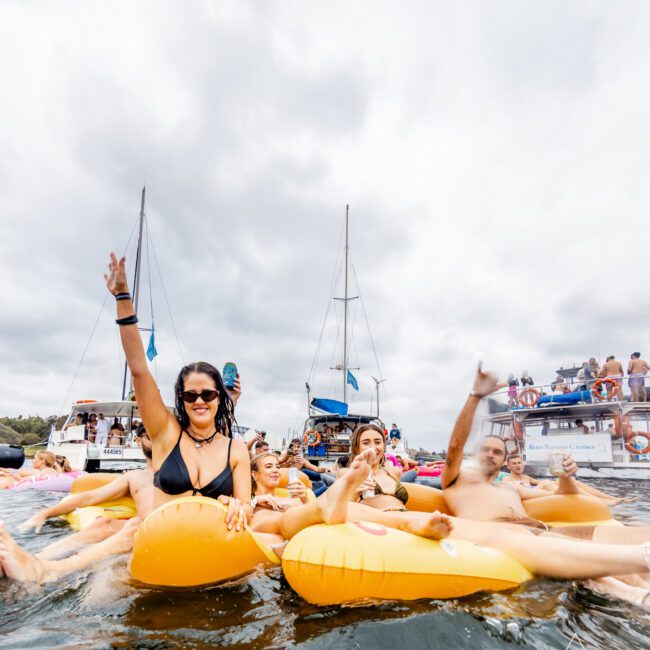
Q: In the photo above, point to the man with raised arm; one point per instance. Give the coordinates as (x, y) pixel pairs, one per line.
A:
(470, 491)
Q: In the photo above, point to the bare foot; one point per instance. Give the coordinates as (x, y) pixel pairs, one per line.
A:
(122, 541)
(616, 589)
(16, 563)
(434, 526)
(334, 503)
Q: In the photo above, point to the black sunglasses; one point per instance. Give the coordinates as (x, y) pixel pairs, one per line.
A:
(191, 396)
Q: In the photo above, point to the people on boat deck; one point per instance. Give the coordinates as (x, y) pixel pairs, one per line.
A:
(259, 436)
(513, 399)
(637, 369)
(581, 425)
(101, 428)
(591, 372)
(91, 428)
(395, 433)
(526, 379)
(77, 422)
(116, 433)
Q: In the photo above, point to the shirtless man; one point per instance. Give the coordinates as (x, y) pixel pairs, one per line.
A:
(613, 369)
(137, 484)
(471, 494)
(637, 370)
(516, 467)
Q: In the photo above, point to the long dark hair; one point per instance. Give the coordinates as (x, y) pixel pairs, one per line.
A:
(225, 412)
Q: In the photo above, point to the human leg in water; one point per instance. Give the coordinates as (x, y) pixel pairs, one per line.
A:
(18, 564)
(98, 531)
(332, 506)
(556, 557)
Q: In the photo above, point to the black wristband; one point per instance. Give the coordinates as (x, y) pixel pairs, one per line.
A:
(129, 320)
(123, 296)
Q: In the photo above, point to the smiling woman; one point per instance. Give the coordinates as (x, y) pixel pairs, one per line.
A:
(189, 447)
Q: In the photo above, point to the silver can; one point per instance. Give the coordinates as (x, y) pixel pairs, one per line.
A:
(294, 475)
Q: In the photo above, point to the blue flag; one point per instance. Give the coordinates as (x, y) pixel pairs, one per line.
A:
(151, 350)
(352, 380)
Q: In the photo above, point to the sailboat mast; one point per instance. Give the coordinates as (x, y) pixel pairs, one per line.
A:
(345, 313)
(136, 289)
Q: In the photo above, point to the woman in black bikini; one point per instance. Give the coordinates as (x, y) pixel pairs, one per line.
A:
(188, 447)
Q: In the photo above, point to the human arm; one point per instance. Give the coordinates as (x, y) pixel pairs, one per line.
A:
(566, 482)
(155, 415)
(314, 468)
(239, 505)
(114, 490)
(484, 384)
(251, 443)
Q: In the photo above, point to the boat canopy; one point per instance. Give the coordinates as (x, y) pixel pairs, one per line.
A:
(330, 406)
(109, 409)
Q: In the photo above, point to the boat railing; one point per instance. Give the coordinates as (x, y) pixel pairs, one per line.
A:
(555, 392)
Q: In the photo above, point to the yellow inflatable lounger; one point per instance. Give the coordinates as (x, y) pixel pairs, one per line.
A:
(359, 561)
(81, 518)
(557, 510)
(185, 543)
(560, 510)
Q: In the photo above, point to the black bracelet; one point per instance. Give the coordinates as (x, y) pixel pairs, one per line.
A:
(123, 296)
(129, 320)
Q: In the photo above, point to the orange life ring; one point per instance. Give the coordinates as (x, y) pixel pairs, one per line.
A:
(634, 450)
(611, 384)
(86, 401)
(307, 435)
(529, 397)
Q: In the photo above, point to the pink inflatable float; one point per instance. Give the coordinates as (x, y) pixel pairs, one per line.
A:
(59, 483)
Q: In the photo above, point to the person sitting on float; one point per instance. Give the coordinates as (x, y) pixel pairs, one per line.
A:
(388, 493)
(276, 520)
(282, 517)
(193, 451)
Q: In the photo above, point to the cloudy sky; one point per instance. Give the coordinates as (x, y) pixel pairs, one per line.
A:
(495, 157)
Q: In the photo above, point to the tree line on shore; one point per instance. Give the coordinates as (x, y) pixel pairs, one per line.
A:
(28, 430)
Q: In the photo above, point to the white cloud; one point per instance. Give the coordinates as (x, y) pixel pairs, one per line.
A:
(494, 157)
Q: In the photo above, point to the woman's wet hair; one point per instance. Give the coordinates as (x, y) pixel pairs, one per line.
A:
(355, 449)
(63, 463)
(255, 467)
(225, 411)
(48, 458)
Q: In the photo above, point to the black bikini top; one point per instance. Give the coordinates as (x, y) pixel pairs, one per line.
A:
(173, 477)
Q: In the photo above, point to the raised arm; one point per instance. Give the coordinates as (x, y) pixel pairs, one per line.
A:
(484, 384)
(114, 490)
(155, 415)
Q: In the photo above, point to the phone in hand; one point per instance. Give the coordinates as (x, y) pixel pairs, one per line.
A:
(229, 374)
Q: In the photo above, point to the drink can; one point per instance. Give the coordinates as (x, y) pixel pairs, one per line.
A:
(229, 374)
(368, 494)
(294, 475)
(555, 463)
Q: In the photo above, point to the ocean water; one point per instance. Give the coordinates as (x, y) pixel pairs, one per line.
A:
(101, 609)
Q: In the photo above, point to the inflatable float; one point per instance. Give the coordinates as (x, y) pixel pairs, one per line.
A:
(11, 456)
(185, 543)
(81, 518)
(59, 483)
(358, 561)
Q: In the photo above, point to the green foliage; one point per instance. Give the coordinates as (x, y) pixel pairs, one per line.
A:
(30, 439)
(8, 436)
(13, 430)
